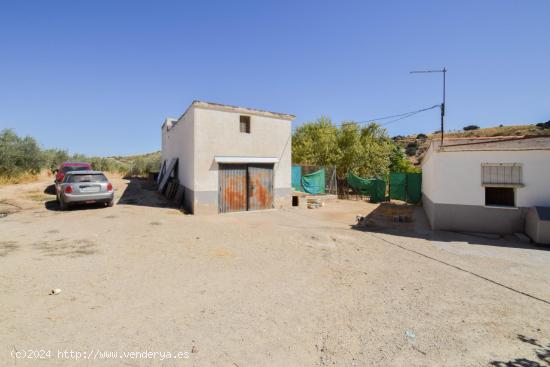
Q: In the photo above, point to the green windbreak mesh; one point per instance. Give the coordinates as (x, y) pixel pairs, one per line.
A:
(398, 182)
(297, 178)
(414, 187)
(406, 187)
(314, 183)
(375, 188)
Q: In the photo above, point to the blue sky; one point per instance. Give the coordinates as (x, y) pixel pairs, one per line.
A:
(98, 77)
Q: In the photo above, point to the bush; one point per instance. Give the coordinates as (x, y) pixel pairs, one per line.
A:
(411, 148)
(351, 147)
(544, 125)
(54, 157)
(23, 157)
(19, 155)
(422, 136)
(471, 127)
(399, 163)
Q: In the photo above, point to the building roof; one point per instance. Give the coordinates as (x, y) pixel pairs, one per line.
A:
(246, 110)
(169, 122)
(497, 143)
(84, 172)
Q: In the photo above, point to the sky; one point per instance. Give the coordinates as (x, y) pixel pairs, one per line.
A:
(99, 77)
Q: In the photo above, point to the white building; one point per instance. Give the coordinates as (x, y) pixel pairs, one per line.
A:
(485, 184)
(230, 158)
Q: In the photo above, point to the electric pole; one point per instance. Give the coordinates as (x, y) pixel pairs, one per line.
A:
(444, 71)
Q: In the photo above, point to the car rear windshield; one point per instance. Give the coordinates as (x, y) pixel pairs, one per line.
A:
(66, 169)
(98, 177)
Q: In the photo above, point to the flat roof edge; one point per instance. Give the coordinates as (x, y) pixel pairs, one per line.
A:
(242, 159)
(224, 107)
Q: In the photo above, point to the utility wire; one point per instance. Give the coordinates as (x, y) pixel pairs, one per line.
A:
(400, 116)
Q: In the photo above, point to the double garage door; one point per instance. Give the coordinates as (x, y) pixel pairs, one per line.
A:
(245, 187)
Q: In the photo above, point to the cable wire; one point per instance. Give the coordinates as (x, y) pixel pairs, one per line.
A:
(400, 116)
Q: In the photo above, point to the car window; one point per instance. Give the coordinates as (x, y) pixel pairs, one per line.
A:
(86, 178)
(66, 169)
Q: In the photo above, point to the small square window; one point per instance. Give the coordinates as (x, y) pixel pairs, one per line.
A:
(245, 124)
(500, 196)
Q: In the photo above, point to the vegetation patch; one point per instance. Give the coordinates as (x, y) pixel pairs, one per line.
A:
(416, 146)
(366, 151)
(22, 159)
(38, 196)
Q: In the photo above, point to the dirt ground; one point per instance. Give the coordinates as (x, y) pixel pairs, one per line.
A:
(293, 287)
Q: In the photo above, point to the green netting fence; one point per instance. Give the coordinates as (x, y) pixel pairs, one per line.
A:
(314, 183)
(322, 180)
(375, 188)
(297, 178)
(314, 180)
(402, 186)
(406, 187)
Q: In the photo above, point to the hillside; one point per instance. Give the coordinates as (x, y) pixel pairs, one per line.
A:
(22, 159)
(130, 158)
(415, 146)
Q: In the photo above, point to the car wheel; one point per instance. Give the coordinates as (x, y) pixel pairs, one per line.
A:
(111, 203)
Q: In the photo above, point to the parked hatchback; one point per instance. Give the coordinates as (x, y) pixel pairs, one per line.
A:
(71, 166)
(84, 187)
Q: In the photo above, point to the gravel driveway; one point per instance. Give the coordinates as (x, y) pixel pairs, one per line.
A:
(292, 287)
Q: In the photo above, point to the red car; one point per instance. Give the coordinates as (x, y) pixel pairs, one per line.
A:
(71, 166)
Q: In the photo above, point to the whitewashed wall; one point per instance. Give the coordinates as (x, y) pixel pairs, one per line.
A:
(178, 142)
(455, 177)
(217, 133)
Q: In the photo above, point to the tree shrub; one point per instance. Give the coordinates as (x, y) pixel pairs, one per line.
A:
(471, 127)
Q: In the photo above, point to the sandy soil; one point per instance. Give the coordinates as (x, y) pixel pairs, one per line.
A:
(292, 287)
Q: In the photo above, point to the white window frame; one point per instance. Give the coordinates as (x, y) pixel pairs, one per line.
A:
(503, 181)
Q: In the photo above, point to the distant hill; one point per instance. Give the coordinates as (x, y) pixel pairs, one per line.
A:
(415, 146)
(135, 157)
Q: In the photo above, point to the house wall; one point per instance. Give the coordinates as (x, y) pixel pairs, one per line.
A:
(454, 198)
(217, 134)
(178, 142)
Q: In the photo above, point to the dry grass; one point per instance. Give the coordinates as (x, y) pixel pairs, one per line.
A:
(45, 174)
(111, 175)
(39, 196)
(513, 130)
(26, 178)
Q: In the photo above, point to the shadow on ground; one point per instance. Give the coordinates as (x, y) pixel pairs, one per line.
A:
(54, 206)
(138, 192)
(410, 221)
(50, 189)
(143, 192)
(540, 359)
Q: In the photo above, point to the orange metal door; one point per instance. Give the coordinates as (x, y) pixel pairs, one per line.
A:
(232, 194)
(260, 186)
